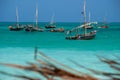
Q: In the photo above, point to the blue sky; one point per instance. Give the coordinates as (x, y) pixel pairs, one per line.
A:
(65, 10)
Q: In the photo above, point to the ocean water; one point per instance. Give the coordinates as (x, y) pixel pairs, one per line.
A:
(18, 47)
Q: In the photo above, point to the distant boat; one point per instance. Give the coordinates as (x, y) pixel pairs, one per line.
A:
(51, 24)
(31, 28)
(37, 27)
(17, 27)
(104, 25)
(57, 30)
(52, 27)
(85, 35)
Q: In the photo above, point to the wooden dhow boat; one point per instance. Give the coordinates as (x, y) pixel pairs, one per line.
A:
(85, 35)
(17, 26)
(51, 24)
(32, 28)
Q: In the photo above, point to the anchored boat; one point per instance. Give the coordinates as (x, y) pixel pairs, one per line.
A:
(85, 35)
(17, 26)
(31, 28)
(51, 24)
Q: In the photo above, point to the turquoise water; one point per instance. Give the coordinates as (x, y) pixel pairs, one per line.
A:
(18, 47)
(106, 39)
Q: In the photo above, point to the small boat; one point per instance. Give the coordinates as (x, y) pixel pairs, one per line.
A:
(85, 35)
(39, 29)
(52, 24)
(88, 36)
(57, 30)
(29, 28)
(51, 27)
(104, 25)
(32, 28)
(17, 27)
(36, 28)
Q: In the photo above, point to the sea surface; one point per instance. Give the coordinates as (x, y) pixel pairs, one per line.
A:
(18, 47)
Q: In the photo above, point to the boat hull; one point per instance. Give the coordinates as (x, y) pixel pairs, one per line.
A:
(88, 37)
(32, 29)
(16, 29)
(57, 30)
(48, 27)
(104, 26)
(29, 29)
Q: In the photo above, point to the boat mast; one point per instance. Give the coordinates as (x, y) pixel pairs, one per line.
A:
(105, 21)
(36, 15)
(84, 13)
(17, 18)
(89, 17)
(52, 19)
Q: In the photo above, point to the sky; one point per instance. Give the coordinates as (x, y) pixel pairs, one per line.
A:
(64, 10)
